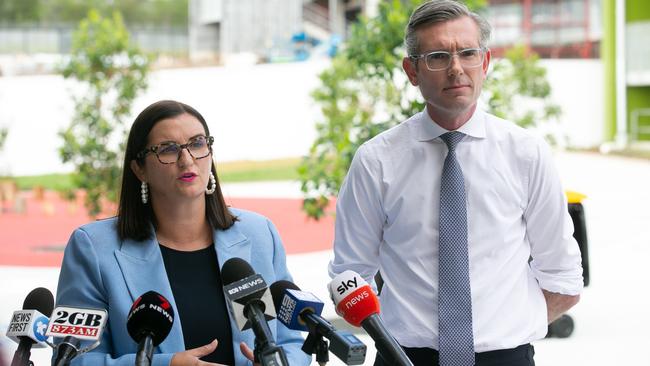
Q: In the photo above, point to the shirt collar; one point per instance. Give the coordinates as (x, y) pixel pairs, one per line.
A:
(426, 129)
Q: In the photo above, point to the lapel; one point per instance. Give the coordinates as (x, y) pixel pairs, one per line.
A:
(233, 243)
(143, 270)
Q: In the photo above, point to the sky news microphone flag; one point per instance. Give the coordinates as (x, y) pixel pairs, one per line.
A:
(358, 305)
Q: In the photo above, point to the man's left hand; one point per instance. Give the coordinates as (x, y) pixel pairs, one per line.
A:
(558, 304)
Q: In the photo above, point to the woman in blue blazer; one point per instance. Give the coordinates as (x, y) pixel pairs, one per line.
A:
(172, 234)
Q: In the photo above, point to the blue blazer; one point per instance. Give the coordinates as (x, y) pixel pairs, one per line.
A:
(101, 271)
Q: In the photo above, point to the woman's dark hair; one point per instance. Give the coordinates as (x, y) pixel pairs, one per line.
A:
(134, 218)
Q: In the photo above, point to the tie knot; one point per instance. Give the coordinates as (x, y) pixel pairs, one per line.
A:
(452, 139)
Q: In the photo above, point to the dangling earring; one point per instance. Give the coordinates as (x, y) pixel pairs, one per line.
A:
(144, 190)
(213, 185)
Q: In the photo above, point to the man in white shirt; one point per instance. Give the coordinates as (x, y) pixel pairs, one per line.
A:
(517, 251)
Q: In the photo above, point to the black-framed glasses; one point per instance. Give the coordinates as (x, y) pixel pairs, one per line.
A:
(440, 60)
(169, 152)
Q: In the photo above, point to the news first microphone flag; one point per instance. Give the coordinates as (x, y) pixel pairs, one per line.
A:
(28, 323)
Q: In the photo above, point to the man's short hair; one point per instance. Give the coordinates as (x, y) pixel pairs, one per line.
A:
(436, 11)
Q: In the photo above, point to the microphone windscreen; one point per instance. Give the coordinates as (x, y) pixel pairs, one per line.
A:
(353, 297)
(235, 269)
(40, 299)
(278, 289)
(150, 314)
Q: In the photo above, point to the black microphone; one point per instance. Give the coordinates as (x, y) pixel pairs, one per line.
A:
(28, 326)
(299, 310)
(149, 322)
(66, 351)
(251, 305)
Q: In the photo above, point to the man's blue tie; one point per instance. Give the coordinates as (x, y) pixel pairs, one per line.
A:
(456, 341)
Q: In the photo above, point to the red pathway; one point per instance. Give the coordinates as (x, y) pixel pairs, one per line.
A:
(37, 236)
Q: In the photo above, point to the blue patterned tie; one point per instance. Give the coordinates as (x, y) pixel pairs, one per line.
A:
(456, 345)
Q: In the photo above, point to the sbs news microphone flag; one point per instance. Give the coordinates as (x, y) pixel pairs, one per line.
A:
(300, 310)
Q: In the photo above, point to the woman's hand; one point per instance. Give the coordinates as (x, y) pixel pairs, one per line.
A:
(248, 353)
(191, 357)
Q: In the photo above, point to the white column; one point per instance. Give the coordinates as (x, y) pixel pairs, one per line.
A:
(621, 77)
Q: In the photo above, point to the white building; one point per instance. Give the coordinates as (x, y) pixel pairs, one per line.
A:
(267, 29)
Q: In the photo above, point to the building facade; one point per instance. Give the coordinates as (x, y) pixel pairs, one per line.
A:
(268, 29)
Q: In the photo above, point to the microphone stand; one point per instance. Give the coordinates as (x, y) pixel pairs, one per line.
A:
(23, 353)
(315, 344)
(393, 354)
(145, 351)
(266, 351)
(66, 351)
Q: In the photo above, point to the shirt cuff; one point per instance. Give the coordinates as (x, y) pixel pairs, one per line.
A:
(562, 283)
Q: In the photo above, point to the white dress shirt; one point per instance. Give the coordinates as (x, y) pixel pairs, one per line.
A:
(387, 219)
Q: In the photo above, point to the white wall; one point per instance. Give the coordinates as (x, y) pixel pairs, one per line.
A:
(254, 111)
(578, 87)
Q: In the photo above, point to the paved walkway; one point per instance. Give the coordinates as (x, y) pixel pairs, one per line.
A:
(36, 237)
(611, 319)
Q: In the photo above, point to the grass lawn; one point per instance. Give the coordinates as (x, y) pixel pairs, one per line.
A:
(56, 182)
(251, 171)
(229, 172)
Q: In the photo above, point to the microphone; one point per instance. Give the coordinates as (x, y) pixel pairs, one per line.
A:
(66, 351)
(27, 326)
(299, 310)
(251, 305)
(149, 322)
(73, 325)
(358, 305)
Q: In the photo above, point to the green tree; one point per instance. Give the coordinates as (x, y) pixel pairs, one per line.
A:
(3, 137)
(111, 72)
(20, 11)
(154, 12)
(136, 12)
(365, 92)
(516, 80)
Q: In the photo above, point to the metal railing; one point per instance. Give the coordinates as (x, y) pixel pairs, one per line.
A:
(29, 39)
(636, 128)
